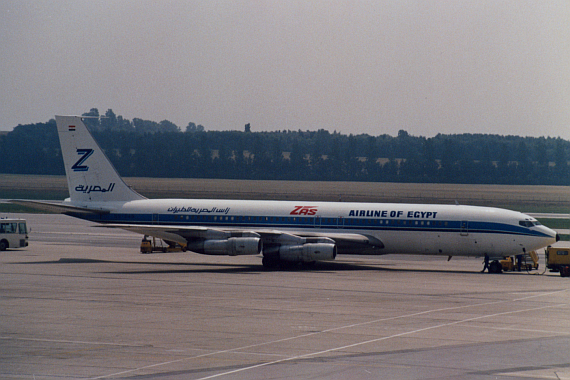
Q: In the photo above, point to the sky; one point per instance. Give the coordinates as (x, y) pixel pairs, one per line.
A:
(375, 67)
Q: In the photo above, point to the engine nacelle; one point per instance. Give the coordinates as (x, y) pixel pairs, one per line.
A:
(233, 246)
(308, 252)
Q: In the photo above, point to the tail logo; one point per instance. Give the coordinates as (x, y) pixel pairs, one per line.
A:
(85, 154)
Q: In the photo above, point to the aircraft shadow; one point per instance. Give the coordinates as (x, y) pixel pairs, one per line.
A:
(189, 267)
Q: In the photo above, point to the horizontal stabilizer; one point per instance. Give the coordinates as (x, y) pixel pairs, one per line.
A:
(56, 207)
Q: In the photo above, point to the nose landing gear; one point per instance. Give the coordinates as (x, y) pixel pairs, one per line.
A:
(495, 267)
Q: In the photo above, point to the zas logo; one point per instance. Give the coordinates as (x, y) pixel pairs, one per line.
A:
(304, 210)
(85, 154)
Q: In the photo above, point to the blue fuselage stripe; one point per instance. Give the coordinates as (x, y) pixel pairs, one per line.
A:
(316, 223)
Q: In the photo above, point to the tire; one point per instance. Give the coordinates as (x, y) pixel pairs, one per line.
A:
(3, 245)
(496, 267)
(271, 263)
(309, 264)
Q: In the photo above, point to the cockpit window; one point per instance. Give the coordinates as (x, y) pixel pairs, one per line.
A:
(528, 223)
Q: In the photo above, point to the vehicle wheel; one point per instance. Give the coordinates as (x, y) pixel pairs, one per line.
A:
(3, 245)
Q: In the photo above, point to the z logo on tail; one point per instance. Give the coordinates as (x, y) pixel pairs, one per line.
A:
(78, 166)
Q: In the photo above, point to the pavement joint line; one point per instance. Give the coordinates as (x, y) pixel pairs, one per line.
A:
(341, 328)
(73, 341)
(334, 349)
(556, 333)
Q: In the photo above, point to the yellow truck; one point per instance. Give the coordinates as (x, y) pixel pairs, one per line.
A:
(529, 261)
(558, 260)
(152, 244)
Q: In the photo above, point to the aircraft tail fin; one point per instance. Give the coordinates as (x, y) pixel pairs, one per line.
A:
(90, 175)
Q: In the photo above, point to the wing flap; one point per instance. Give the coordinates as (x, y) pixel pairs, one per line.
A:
(179, 234)
(347, 243)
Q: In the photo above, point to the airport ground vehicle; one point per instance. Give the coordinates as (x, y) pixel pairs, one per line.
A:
(152, 244)
(13, 233)
(558, 260)
(528, 262)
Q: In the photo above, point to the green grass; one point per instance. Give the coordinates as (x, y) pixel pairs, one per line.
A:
(555, 223)
(34, 194)
(13, 208)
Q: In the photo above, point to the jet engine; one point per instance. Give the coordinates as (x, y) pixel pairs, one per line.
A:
(233, 246)
(307, 252)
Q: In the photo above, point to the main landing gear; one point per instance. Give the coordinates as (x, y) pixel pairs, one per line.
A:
(495, 267)
(273, 263)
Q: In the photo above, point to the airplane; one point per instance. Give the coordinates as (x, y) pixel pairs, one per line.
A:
(285, 231)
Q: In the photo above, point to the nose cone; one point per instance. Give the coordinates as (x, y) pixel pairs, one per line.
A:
(553, 236)
(547, 236)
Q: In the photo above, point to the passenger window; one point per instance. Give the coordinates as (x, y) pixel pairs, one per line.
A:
(8, 228)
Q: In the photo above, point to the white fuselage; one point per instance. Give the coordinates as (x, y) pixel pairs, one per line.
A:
(450, 230)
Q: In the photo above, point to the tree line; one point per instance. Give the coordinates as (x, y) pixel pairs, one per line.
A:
(143, 148)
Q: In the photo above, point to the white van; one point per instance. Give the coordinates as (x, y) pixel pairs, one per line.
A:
(13, 233)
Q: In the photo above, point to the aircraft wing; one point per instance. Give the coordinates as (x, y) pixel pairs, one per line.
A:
(57, 207)
(346, 242)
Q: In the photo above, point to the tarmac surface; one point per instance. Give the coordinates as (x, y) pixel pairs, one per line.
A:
(83, 303)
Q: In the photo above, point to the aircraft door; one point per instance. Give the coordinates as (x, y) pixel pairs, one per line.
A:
(329, 222)
(464, 228)
(318, 221)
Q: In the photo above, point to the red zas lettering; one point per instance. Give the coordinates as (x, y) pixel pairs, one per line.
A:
(304, 210)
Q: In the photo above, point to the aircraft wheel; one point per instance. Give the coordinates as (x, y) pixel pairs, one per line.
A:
(309, 264)
(496, 267)
(270, 263)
